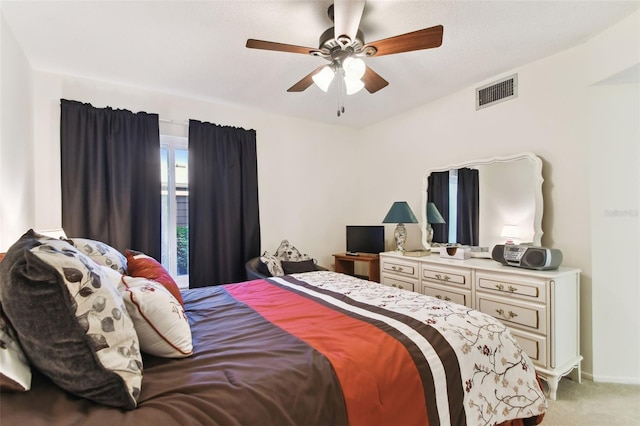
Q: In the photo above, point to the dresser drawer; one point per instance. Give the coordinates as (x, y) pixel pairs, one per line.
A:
(409, 269)
(533, 345)
(528, 316)
(533, 289)
(449, 276)
(459, 297)
(399, 282)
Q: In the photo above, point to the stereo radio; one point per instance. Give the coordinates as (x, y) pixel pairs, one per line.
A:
(528, 257)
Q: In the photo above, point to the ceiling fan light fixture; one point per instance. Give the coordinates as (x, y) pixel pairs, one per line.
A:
(354, 68)
(323, 78)
(353, 85)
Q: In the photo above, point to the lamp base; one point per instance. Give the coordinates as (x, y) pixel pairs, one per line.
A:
(429, 235)
(401, 236)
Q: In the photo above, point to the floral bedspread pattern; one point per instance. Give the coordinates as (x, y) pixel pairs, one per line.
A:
(499, 380)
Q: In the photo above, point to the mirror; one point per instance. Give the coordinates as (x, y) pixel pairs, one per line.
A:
(510, 193)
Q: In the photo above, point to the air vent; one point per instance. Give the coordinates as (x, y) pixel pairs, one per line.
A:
(496, 92)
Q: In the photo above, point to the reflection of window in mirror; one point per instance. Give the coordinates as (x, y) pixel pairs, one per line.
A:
(455, 193)
(453, 205)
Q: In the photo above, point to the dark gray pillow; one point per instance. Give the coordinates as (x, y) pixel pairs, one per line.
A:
(263, 269)
(71, 320)
(292, 267)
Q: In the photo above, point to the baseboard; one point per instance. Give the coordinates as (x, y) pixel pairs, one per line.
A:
(608, 379)
(615, 379)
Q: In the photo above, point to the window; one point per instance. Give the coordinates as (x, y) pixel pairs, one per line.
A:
(175, 207)
(453, 206)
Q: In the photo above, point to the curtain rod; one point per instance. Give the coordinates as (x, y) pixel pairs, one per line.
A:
(180, 123)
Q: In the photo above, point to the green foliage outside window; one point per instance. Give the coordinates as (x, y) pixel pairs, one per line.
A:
(183, 249)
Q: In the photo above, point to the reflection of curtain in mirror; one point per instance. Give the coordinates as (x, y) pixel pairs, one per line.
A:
(438, 194)
(468, 207)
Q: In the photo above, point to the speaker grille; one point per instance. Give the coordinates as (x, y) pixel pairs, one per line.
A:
(496, 92)
(533, 258)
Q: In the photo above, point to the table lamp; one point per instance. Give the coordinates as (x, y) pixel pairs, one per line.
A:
(433, 216)
(400, 213)
(511, 233)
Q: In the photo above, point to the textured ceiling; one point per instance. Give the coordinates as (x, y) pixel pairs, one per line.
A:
(197, 48)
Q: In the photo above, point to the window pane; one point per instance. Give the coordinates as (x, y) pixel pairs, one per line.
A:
(182, 210)
(453, 206)
(166, 227)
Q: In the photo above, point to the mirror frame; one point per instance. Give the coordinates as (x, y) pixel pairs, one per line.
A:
(539, 202)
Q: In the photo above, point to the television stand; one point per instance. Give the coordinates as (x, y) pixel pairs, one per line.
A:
(344, 263)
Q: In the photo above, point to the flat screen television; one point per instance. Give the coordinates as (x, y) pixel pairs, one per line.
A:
(365, 239)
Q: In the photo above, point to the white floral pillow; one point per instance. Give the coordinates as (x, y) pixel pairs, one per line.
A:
(159, 318)
(287, 251)
(15, 373)
(273, 264)
(101, 253)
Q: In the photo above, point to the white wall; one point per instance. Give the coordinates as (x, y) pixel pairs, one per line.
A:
(615, 219)
(549, 118)
(16, 137)
(614, 146)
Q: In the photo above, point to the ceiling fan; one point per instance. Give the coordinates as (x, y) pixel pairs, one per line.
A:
(343, 45)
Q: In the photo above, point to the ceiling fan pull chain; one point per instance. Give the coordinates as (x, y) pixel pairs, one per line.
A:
(340, 98)
(341, 93)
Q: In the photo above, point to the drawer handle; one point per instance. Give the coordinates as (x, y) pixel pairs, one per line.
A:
(443, 278)
(510, 289)
(397, 268)
(443, 298)
(508, 315)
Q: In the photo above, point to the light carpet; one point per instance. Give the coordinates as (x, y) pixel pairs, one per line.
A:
(591, 403)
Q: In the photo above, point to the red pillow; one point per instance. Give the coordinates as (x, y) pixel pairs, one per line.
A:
(141, 265)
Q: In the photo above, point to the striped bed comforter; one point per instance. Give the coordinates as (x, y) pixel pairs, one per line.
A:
(318, 348)
(401, 357)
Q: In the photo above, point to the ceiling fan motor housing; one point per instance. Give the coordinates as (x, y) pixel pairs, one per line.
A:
(328, 42)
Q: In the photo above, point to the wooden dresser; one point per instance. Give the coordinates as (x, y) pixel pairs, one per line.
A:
(540, 308)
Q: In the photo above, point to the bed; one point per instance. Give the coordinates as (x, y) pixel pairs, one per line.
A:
(317, 348)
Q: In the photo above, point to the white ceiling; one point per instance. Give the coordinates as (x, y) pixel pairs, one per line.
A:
(197, 48)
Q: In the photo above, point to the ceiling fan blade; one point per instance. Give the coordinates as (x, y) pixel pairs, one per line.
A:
(427, 38)
(278, 47)
(346, 18)
(372, 81)
(306, 81)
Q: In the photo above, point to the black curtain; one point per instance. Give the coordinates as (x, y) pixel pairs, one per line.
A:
(468, 206)
(224, 225)
(439, 195)
(110, 161)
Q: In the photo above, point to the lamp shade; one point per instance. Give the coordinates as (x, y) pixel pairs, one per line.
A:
(354, 68)
(323, 78)
(400, 212)
(353, 85)
(433, 214)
